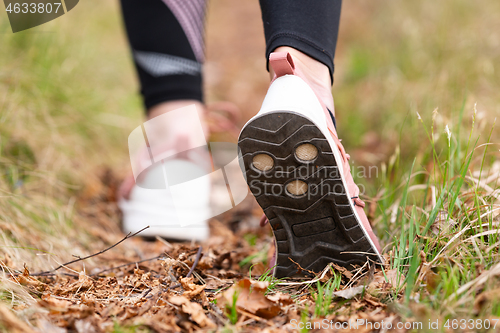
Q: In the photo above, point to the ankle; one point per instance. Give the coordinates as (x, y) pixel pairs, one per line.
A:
(307, 64)
(165, 107)
(178, 126)
(315, 73)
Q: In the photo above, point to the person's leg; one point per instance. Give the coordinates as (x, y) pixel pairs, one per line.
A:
(309, 33)
(167, 42)
(166, 39)
(314, 207)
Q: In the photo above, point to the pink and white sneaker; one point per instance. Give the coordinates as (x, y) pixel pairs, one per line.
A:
(298, 171)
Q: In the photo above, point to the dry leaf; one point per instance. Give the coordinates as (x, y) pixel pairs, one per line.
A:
(280, 298)
(349, 292)
(27, 280)
(214, 284)
(252, 298)
(429, 278)
(392, 279)
(372, 301)
(193, 309)
(344, 271)
(485, 298)
(190, 289)
(83, 283)
(54, 304)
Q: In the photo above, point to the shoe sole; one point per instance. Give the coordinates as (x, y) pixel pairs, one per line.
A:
(317, 227)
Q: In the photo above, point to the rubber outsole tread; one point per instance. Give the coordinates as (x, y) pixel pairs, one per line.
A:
(312, 229)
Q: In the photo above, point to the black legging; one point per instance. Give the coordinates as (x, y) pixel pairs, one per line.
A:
(167, 40)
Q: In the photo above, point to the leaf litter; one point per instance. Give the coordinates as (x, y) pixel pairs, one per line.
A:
(161, 286)
(186, 288)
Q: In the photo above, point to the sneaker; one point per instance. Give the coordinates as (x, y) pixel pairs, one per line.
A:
(299, 173)
(175, 217)
(171, 189)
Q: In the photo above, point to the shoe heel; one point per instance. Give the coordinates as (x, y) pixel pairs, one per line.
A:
(282, 64)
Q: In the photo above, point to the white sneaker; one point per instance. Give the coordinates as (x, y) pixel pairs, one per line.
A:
(169, 190)
(182, 216)
(173, 167)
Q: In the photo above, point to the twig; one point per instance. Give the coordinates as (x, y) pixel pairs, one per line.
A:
(167, 244)
(306, 282)
(124, 265)
(195, 263)
(218, 314)
(17, 273)
(146, 292)
(300, 269)
(129, 235)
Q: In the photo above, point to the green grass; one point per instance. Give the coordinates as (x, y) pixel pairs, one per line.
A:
(231, 309)
(269, 277)
(443, 241)
(258, 257)
(323, 295)
(303, 320)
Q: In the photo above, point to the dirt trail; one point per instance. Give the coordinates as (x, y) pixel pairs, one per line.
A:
(162, 286)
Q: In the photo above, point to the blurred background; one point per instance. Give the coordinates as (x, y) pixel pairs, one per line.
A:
(69, 99)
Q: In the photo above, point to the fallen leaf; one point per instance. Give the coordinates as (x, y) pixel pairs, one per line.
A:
(193, 309)
(214, 284)
(485, 298)
(280, 298)
(252, 299)
(26, 279)
(190, 289)
(372, 301)
(349, 292)
(429, 278)
(392, 279)
(344, 271)
(83, 283)
(54, 304)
